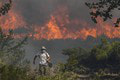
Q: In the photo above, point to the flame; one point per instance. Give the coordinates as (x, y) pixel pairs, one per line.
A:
(12, 21)
(59, 26)
(107, 29)
(54, 31)
(50, 31)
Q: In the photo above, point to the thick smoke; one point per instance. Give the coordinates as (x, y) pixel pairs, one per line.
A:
(39, 11)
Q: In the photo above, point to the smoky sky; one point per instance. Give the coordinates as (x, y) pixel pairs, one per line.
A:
(39, 11)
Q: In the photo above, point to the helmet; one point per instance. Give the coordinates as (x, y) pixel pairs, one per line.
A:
(43, 48)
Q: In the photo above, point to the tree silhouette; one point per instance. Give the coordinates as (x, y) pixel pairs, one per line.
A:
(104, 9)
(5, 8)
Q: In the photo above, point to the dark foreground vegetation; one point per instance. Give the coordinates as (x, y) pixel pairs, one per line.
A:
(102, 62)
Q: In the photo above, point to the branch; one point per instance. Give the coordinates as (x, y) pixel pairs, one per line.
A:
(5, 8)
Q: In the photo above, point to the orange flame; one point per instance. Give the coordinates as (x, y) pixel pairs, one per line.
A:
(50, 31)
(60, 26)
(12, 21)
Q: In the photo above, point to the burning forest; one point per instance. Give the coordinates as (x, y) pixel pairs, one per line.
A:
(59, 25)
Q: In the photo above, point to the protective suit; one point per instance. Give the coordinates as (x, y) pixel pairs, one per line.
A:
(44, 60)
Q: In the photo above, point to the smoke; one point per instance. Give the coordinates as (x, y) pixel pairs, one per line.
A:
(56, 24)
(55, 19)
(39, 11)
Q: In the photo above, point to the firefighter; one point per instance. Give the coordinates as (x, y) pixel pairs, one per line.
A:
(44, 60)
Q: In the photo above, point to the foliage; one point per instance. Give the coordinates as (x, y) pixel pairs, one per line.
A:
(11, 51)
(13, 73)
(12, 57)
(5, 8)
(60, 76)
(104, 9)
(76, 59)
(101, 57)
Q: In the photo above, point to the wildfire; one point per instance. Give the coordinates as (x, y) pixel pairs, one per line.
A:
(107, 29)
(12, 21)
(59, 26)
(49, 31)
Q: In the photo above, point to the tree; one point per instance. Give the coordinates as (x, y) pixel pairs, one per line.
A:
(12, 63)
(104, 56)
(11, 51)
(76, 59)
(5, 8)
(104, 9)
(99, 55)
(13, 66)
(114, 57)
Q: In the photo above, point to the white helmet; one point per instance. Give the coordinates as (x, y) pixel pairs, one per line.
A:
(43, 48)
